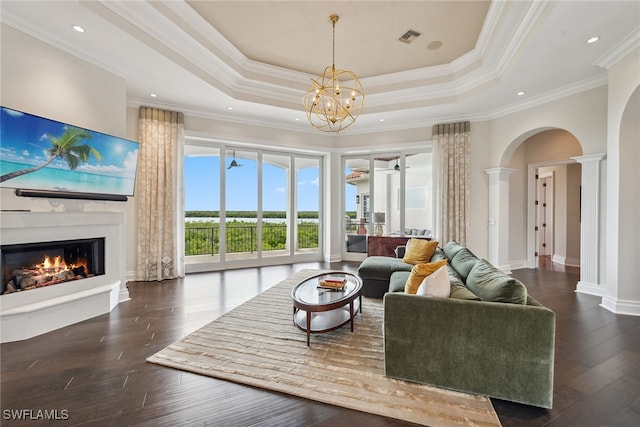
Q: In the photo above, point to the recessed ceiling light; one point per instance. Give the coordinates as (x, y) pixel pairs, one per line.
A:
(593, 39)
(434, 45)
(153, 95)
(229, 108)
(297, 119)
(521, 93)
(381, 120)
(78, 28)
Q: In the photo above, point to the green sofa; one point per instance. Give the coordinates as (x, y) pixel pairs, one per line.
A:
(489, 337)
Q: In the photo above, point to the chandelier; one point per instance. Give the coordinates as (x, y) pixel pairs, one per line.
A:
(336, 97)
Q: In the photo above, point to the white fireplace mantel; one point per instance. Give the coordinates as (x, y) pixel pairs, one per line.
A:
(29, 313)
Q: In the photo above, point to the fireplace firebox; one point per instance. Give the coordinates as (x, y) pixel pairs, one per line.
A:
(28, 266)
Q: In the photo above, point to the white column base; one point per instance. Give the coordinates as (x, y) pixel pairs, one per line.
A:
(631, 308)
(590, 289)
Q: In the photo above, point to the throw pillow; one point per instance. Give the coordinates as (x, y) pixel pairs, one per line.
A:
(419, 251)
(463, 262)
(491, 284)
(419, 272)
(436, 284)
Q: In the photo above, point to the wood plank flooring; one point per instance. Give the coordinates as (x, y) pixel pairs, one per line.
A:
(94, 373)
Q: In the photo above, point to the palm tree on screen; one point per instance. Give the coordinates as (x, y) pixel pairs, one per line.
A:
(67, 147)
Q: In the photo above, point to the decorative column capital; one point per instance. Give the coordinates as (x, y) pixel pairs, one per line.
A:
(590, 158)
(499, 171)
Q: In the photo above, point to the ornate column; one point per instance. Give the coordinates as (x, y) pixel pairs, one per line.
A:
(590, 225)
(498, 247)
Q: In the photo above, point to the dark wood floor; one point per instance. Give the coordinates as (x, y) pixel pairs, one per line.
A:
(95, 371)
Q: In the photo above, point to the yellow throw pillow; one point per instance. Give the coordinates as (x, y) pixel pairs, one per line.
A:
(419, 251)
(419, 272)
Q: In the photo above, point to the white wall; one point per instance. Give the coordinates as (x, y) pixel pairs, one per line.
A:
(623, 180)
(582, 115)
(478, 236)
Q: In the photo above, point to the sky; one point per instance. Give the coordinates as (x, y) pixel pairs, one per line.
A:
(202, 186)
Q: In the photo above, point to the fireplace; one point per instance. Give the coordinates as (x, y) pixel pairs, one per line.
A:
(91, 244)
(29, 266)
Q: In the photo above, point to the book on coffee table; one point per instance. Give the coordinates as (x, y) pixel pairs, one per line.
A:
(333, 283)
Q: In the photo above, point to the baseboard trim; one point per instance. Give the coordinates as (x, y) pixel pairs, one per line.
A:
(516, 265)
(627, 307)
(332, 258)
(590, 289)
(570, 262)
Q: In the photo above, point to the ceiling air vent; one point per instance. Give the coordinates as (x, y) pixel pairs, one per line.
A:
(409, 36)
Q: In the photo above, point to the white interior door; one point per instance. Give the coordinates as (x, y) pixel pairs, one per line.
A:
(544, 227)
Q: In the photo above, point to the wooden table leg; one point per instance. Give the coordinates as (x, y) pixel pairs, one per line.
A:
(308, 327)
(351, 314)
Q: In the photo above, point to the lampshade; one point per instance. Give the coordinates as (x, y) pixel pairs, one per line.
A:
(335, 99)
(378, 217)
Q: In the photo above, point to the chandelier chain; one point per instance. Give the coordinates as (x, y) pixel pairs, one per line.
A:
(334, 18)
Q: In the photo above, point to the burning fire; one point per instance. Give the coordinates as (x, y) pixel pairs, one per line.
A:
(57, 265)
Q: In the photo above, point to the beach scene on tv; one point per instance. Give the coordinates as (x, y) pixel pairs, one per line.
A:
(42, 154)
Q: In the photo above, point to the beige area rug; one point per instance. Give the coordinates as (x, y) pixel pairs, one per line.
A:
(257, 344)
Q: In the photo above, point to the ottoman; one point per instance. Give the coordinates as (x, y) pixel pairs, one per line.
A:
(375, 272)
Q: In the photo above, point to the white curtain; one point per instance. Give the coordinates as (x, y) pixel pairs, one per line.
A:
(159, 201)
(452, 179)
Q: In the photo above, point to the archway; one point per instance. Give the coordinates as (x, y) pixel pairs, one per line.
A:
(556, 150)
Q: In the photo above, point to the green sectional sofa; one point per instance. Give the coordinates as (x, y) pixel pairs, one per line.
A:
(489, 337)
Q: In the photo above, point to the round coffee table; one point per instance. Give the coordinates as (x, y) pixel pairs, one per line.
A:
(323, 310)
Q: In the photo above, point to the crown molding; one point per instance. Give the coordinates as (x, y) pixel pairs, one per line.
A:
(217, 61)
(545, 98)
(297, 127)
(167, 27)
(622, 49)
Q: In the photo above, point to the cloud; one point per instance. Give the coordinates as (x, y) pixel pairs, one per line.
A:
(315, 182)
(13, 113)
(131, 160)
(280, 189)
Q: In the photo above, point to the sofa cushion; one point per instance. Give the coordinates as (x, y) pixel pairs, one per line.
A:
(419, 272)
(451, 249)
(419, 251)
(438, 255)
(458, 289)
(398, 280)
(491, 284)
(436, 284)
(463, 262)
(381, 267)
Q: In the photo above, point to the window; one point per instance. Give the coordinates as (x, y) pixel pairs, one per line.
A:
(246, 206)
(396, 184)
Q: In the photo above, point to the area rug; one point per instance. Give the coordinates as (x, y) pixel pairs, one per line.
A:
(257, 344)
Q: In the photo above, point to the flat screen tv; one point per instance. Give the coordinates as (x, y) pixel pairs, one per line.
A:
(44, 158)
